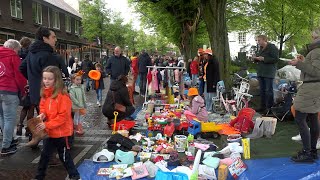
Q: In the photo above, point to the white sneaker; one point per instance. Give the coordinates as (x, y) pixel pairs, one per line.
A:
(318, 144)
(98, 102)
(296, 138)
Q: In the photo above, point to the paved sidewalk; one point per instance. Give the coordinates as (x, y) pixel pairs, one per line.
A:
(22, 165)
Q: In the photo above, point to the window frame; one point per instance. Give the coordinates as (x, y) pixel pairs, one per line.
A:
(38, 8)
(68, 23)
(76, 27)
(14, 9)
(56, 19)
(242, 37)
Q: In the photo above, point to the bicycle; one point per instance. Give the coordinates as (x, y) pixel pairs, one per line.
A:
(240, 99)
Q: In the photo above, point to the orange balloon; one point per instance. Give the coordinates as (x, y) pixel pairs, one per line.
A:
(94, 74)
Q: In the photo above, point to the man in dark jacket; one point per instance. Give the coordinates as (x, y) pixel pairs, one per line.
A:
(117, 65)
(71, 61)
(266, 59)
(118, 93)
(87, 66)
(144, 60)
(41, 54)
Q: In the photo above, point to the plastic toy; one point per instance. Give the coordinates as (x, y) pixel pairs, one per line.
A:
(169, 129)
(198, 128)
(115, 113)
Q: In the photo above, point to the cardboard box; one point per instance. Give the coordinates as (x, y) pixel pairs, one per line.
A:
(223, 172)
(246, 148)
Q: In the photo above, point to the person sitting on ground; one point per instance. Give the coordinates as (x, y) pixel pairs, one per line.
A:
(197, 106)
(118, 93)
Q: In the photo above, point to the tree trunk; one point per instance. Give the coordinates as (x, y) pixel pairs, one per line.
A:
(214, 15)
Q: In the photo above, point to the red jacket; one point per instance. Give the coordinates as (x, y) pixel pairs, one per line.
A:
(194, 67)
(11, 80)
(58, 114)
(242, 124)
(134, 65)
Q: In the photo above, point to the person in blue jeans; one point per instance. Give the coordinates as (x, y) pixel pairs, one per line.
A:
(99, 84)
(266, 59)
(11, 83)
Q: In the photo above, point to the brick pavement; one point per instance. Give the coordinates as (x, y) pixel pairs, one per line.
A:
(23, 164)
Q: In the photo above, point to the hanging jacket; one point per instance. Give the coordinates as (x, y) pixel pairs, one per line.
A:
(78, 97)
(11, 80)
(57, 111)
(198, 108)
(194, 67)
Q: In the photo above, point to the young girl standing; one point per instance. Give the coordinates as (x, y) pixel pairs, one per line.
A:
(99, 84)
(55, 111)
(78, 99)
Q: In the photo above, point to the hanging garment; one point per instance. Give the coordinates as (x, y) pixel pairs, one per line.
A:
(154, 83)
(177, 75)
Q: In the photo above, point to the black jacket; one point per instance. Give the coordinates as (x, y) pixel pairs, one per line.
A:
(117, 66)
(144, 60)
(212, 74)
(121, 95)
(40, 56)
(101, 82)
(86, 66)
(23, 53)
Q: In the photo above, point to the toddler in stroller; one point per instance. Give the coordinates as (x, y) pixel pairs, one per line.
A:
(282, 108)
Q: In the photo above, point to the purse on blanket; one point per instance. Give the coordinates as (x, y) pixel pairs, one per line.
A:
(118, 107)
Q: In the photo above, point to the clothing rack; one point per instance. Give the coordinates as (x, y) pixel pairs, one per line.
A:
(156, 67)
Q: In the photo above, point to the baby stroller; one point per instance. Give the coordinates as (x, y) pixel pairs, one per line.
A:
(282, 109)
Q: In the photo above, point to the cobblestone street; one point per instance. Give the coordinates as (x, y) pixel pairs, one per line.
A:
(22, 165)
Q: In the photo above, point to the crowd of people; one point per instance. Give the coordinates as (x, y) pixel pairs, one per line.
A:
(31, 74)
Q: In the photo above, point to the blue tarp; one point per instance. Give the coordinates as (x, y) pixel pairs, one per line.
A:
(259, 169)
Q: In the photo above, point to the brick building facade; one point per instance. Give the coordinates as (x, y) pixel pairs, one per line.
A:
(20, 18)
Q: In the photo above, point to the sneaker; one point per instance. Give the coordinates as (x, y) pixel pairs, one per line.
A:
(318, 144)
(298, 138)
(8, 151)
(73, 178)
(303, 157)
(14, 142)
(98, 103)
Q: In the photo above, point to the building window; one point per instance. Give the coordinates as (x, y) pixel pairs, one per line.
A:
(76, 27)
(37, 13)
(55, 19)
(68, 23)
(5, 36)
(16, 8)
(242, 37)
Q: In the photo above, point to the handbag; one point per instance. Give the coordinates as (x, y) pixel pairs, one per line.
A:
(118, 107)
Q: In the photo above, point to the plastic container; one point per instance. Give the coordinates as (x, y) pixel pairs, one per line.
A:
(234, 138)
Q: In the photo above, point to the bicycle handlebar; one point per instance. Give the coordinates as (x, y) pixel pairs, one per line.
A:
(237, 75)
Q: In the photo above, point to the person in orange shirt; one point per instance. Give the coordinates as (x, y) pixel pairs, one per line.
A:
(55, 111)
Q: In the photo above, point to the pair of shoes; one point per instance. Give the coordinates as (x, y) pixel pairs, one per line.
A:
(314, 154)
(298, 138)
(8, 151)
(19, 130)
(303, 157)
